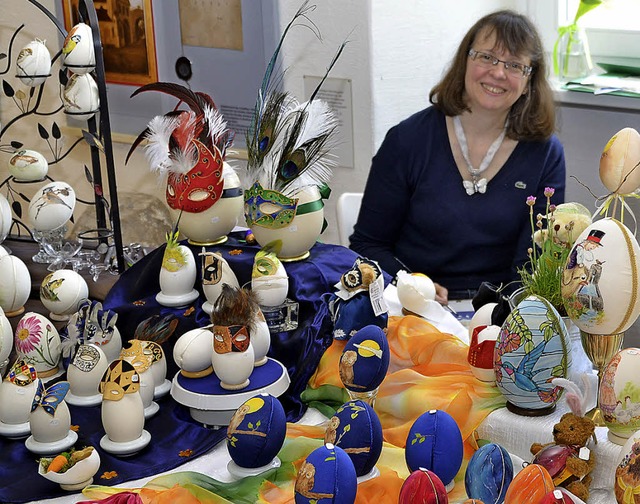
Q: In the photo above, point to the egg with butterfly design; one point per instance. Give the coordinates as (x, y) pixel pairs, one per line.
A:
(50, 419)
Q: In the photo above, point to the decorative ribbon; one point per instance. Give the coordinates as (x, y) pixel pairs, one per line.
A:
(629, 491)
(314, 206)
(603, 209)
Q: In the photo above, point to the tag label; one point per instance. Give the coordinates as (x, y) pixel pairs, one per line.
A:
(376, 293)
(584, 453)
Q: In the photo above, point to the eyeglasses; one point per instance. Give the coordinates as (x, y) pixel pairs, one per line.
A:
(511, 67)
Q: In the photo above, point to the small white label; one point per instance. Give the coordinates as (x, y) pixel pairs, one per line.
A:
(376, 292)
(557, 494)
(584, 453)
(293, 228)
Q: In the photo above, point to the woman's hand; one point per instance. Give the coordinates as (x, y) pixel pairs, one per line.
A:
(442, 294)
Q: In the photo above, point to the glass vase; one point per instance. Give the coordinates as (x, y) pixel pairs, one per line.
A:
(573, 59)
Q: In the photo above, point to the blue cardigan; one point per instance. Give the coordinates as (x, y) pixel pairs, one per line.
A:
(415, 211)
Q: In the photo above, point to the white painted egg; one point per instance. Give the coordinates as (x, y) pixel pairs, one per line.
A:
(86, 370)
(33, 64)
(113, 347)
(233, 368)
(15, 287)
(48, 428)
(37, 342)
(415, 291)
(6, 219)
(123, 420)
(62, 291)
(6, 337)
(600, 282)
(158, 361)
(260, 339)
(215, 273)
(618, 162)
(80, 97)
(192, 352)
(178, 278)
(271, 290)
(482, 316)
(52, 206)
(16, 400)
(78, 50)
(28, 166)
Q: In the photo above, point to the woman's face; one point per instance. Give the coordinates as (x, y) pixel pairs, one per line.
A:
(493, 88)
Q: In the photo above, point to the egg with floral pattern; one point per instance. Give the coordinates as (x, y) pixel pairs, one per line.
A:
(489, 474)
(37, 342)
(529, 486)
(365, 360)
(533, 347)
(256, 431)
(423, 487)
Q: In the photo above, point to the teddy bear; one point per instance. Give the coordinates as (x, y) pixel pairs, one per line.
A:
(568, 459)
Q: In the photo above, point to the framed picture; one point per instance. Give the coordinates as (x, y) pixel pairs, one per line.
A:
(126, 31)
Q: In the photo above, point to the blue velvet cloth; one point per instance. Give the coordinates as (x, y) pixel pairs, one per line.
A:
(173, 430)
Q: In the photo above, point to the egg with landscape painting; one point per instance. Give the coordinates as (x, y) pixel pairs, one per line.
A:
(33, 64)
(618, 162)
(424, 487)
(529, 486)
(78, 50)
(52, 206)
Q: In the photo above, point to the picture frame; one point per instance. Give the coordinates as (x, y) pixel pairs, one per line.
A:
(127, 38)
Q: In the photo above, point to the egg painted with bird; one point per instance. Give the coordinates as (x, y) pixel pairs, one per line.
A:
(52, 206)
(256, 431)
(533, 347)
(80, 97)
(28, 166)
(62, 292)
(489, 474)
(600, 281)
(33, 64)
(78, 50)
(529, 486)
(365, 360)
(423, 487)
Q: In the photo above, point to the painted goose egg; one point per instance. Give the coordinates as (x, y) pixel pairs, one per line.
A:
(489, 474)
(423, 487)
(618, 162)
(529, 486)
(62, 291)
(85, 373)
(52, 206)
(50, 419)
(626, 479)
(33, 64)
(6, 219)
(256, 431)
(435, 443)
(6, 339)
(327, 474)
(78, 50)
(357, 430)
(533, 348)
(17, 391)
(557, 496)
(215, 273)
(365, 360)
(15, 287)
(28, 166)
(37, 342)
(619, 395)
(192, 353)
(269, 279)
(600, 280)
(80, 97)
(480, 355)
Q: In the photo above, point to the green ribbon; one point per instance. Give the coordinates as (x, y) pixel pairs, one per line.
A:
(561, 32)
(314, 206)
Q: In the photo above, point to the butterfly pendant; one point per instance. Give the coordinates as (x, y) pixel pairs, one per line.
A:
(474, 186)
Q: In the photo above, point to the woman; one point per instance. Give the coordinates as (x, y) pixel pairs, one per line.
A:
(446, 194)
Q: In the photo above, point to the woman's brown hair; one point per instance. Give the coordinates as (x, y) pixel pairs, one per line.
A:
(532, 117)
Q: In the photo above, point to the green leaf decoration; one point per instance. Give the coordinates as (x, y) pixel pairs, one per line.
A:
(413, 441)
(421, 440)
(42, 131)
(258, 423)
(529, 346)
(347, 428)
(250, 425)
(328, 459)
(354, 416)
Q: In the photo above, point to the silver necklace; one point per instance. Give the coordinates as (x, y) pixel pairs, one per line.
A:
(476, 184)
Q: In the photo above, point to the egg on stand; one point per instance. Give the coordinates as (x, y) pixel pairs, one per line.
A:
(215, 271)
(33, 64)
(84, 374)
(37, 342)
(135, 355)
(62, 292)
(15, 287)
(17, 391)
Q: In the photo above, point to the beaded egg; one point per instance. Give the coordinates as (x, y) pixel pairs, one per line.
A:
(489, 474)
(365, 360)
(529, 486)
(423, 487)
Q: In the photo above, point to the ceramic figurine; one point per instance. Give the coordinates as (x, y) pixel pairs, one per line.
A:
(269, 279)
(15, 287)
(255, 435)
(489, 474)
(358, 300)
(192, 353)
(189, 148)
(28, 166)
(62, 292)
(74, 474)
(215, 272)
(80, 97)
(78, 50)
(84, 374)
(158, 368)
(52, 206)
(37, 342)
(33, 64)
(6, 220)
(17, 391)
(443, 453)
(135, 355)
(177, 275)
(423, 486)
(6, 341)
(233, 356)
(122, 410)
(50, 420)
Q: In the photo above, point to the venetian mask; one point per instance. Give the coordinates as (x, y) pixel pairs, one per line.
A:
(199, 188)
(268, 208)
(49, 399)
(211, 268)
(22, 374)
(228, 339)
(135, 355)
(120, 378)
(86, 358)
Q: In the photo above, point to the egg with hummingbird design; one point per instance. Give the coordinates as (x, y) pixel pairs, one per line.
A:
(78, 51)
(489, 474)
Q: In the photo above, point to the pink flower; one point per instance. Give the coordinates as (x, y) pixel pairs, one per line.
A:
(28, 333)
(548, 191)
(531, 200)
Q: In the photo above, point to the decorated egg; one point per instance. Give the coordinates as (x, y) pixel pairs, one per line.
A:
(600, 280)
(50, 419)
(215, 273)
(533, 348)
(233, 357)
(177, 276)
(529, 486)
(435, 443)
(15, 287)
(269, 280)
(260, 339)
(480, 355)
(52, 206)
(6, 220)
(158, 367)
(415, 290)
(482, 316)
(84, 374)
(192, 353)
(78, 49)
(6, 339)
(62, 291)
(557, 496)
(37, 342)
(80, 96)
(619, 395)
(489, 474)
(33, 64)
(423, 487)
(626, 479)
(28, 166)
(17, 391)
(619, 160)
(326, 474)
(365, 360)
(357, 430)
(256, 431)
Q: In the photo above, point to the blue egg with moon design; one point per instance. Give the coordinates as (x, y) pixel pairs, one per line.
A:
(365, 360)
(327, 475)
(489, 474)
